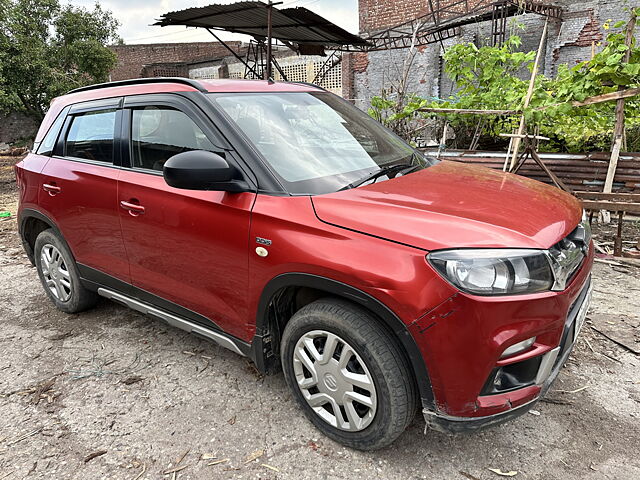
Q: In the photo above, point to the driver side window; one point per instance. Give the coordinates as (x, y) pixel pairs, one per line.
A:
(158, 133)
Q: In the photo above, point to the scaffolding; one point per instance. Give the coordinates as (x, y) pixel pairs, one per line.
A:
(306, 33)
(445, 18)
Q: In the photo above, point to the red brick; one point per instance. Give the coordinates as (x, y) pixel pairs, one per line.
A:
(361, 62)
(380, 14)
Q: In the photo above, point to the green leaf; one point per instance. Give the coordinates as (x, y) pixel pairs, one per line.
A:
(632, 69)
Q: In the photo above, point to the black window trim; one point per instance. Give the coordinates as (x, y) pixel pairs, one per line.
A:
(191, 110)
(139, 104)
(266, 183)
(89, 107)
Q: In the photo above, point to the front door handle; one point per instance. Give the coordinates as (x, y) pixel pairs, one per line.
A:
(52, 188)
(133, 208)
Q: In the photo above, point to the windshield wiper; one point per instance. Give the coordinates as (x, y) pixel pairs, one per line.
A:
(384, 170)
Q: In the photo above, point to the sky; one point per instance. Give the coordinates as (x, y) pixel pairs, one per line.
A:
(136, 17)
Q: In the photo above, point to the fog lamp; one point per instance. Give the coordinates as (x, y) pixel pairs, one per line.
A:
(518, 347)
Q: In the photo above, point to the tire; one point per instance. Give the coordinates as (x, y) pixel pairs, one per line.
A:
(362, 350)
(59, 274)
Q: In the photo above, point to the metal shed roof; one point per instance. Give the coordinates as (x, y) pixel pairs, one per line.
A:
(298, 25)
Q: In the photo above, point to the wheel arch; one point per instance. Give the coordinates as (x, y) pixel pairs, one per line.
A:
(30, 224)
(307, 288)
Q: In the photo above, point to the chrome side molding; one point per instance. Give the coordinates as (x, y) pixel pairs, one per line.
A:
(172, 320)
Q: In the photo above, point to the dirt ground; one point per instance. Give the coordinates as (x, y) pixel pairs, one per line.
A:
(143, 398)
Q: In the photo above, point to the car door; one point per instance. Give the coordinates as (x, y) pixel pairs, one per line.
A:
(188, 250)
(79, 190)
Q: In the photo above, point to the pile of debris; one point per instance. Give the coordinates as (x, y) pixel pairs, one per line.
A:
(7, 150)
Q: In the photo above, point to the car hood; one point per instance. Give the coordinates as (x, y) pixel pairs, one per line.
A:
(452, 205)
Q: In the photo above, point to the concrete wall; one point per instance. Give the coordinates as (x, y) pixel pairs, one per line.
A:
(569, 42)
(16, 126)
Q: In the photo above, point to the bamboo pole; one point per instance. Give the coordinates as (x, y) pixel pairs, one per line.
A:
(603, 98)
(527, 100)
(470, 111)
(608, 97)
(443, 141)
(618, 134)
(508, 155)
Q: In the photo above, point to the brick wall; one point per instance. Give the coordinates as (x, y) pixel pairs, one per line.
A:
(380, 14)
(166, 70)
(133, 58)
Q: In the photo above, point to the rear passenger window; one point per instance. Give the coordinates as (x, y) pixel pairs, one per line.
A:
(158, 133)
(90, 136)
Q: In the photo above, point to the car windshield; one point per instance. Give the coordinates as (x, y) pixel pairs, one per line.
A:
(316, 142)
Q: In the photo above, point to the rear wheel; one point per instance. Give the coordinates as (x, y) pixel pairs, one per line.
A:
(347, 374)
(59, 274)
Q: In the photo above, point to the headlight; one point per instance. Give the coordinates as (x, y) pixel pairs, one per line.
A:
(567, 255)
(494, 271)
(585, 230)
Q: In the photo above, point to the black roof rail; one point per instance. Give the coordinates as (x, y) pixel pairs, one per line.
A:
(309, 84)
(141, 81)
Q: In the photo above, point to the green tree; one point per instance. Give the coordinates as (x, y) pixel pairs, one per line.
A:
(47, 49)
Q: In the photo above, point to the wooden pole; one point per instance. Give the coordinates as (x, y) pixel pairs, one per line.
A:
(443, 141)
(469, 111)
(508, 155)
(618, 133)
(527, 100)
(605, 97)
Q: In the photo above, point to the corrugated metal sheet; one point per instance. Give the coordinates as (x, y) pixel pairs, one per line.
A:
(298, 25)
(579, 172)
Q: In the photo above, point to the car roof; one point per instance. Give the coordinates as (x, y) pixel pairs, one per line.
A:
(142, 86)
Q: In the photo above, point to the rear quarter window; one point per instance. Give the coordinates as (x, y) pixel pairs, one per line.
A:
(48, 143)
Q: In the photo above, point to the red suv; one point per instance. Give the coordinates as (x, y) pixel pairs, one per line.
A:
(281, 222)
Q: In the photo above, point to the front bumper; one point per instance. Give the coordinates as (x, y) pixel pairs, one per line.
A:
(550, 366)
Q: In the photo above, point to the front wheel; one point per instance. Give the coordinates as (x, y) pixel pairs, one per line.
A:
(348, 374)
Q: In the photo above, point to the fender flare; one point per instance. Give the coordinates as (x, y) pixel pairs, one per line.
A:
(28, 213)
(25, 215)
(384, 313)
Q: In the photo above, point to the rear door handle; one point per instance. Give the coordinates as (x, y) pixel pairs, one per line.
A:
(52, 188)
(133, 208)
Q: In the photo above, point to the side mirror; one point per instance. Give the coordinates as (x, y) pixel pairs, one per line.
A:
(202, 170)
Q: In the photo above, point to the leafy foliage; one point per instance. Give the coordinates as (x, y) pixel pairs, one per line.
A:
(398, 115)
(47, 49)
(495, 78)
